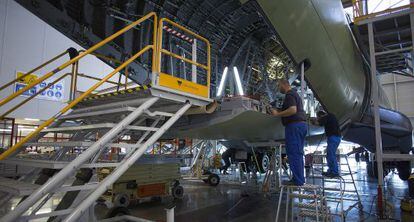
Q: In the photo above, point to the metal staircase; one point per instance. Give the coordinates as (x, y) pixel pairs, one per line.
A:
(96, 124)
(90, 158)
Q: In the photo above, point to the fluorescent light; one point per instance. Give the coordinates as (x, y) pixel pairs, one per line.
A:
(238, 82)
(5, 130)
(26, 129)
(222, 81)
(254, 69)
(30, 119)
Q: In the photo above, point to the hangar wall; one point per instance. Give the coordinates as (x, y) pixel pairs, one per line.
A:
(26, 42)
(400, 90)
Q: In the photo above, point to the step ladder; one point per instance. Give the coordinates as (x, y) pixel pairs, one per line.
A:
(337, 189)
(305, 203)
(148, 109)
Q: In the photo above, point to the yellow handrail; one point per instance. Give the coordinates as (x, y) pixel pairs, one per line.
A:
(96, 78)
(360, 15)
(73, 103)
(34, 70)
(77, 58)
(13, 149)
(156, 48)
(3, 116)
(184, 59)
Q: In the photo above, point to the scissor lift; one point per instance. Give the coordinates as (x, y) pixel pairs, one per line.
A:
(97, 123)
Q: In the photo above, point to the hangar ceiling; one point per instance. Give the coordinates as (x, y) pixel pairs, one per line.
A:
(236, 29)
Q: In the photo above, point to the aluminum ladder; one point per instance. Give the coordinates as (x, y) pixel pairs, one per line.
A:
(310, 205)
(337, 189)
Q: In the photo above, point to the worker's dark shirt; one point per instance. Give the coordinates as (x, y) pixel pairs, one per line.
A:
(331, 125)
(292, 98)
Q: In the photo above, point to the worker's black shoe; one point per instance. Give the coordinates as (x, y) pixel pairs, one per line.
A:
(330, 175)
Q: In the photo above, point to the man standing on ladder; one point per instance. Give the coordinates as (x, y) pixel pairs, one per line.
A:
(333, 135)
(294, 120)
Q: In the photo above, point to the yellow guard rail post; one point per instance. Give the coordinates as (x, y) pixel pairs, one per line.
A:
(17, 146)
(179, 84)
(360, 10)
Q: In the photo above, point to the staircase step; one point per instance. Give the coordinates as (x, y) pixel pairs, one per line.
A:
(311, 206)
(159, 113)
(97, 113)
(78, 144)
(312, 214)
(97, 126)
(332, 180)
(49, 164)
(337, 189)
(305, 196)
(17, 188)
(305, 186)
(89, 186)
(50, 214)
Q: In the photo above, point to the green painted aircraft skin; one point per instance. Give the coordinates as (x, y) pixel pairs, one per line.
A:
(318, 30)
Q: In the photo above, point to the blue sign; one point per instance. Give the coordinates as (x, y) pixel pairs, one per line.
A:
(54, 92)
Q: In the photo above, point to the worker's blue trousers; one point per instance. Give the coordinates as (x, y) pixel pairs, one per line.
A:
(333, 143)
(295, 141)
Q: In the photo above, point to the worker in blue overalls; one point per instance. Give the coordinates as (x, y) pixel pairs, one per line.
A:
(294, 120)
(333, 135)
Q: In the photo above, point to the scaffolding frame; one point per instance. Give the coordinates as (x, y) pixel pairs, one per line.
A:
(369, 21)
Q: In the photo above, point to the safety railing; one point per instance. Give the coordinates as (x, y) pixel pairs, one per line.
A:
(118, 85)
(362, 9)
(20, 104)
(72, 54)
(167, 79)
(74, 75)
(163, 79)
(34, 70)
(74, 62)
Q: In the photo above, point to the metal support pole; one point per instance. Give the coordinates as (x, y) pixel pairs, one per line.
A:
(378, 139)
(123, 166)
(60, 177)
(13, 129)
(395, 93)
(214, 144)
(194, 59)
(73, 81)
(302, 82)
(412, 37)
(170, 214)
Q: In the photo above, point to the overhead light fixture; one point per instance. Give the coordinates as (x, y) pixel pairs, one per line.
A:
(254, 69)
(238, 82)
(222, 81)
(30, 119)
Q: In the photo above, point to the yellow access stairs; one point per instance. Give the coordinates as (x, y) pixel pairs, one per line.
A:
(142, 113)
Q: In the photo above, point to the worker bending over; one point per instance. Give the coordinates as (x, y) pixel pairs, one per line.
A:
(333, 135)
(293, 118)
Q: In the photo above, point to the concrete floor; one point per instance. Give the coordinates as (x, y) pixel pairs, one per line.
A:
(226, 203)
